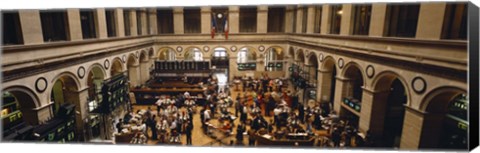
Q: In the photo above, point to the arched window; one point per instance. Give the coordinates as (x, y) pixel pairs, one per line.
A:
(10, 107)
(274, 59)
(194, 54)
(167, 54)
(220, 53)
(246, 59)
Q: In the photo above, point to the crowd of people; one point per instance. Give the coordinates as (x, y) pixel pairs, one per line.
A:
(258, 100)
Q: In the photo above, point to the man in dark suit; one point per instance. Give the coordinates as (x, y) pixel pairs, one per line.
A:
(188, 132)
(119, 126)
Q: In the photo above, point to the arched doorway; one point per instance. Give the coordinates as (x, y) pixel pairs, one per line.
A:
(116, 68)
(388, 107)
(133, 70)
(352, 94)
(65, 91)
(144, 70)
(193, 54)
(274, 59)
(300, 58)
(455, 125)
(18, 114)
(312, 70)
(166, 54)
(95, 79)
(329, 73)
(220, 64)
(246, 59)
(291, 61)
(446, 110)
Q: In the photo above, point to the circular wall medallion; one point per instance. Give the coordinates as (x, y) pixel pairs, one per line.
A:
(206, 48)
(370, 71)
(81, 72)
(419, 85)
(261, 48)
(106, 64)
(233, 48)
(41, 84)
(179, 49)
(340, 62)
(320, 57)
(124, 58)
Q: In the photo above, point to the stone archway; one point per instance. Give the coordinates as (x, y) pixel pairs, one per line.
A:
(95, 78)
(384, 109)
(144, 70)
(65, 90)
(27, 101)
(327, 79)
(312, 66)
(350, 88)
(166, 53)
(133, 70)
(274, 59)
(193, 54)
(427, 125)
(116, 68)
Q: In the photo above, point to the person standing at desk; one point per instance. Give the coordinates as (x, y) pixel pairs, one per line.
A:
(152, 126)
(336, 137)
(119, 126)
(239, 135)
(243, 115)
(238, 106)
(188, 132)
